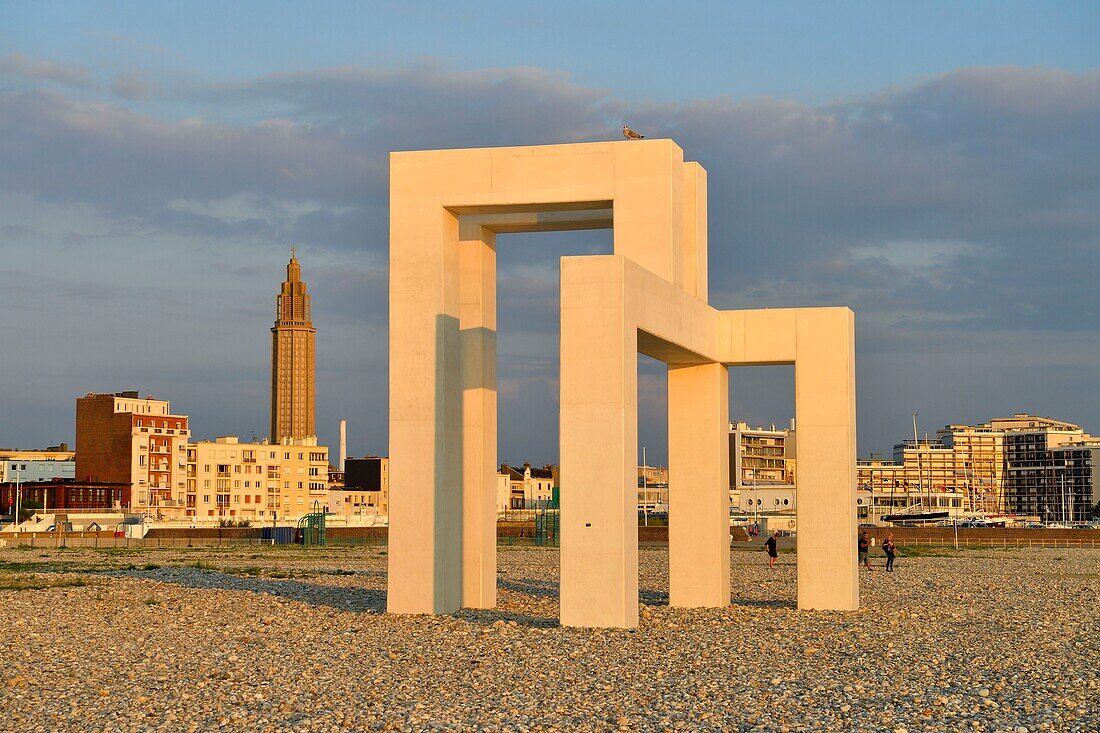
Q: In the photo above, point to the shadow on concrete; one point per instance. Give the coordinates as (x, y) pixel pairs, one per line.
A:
(343, 598)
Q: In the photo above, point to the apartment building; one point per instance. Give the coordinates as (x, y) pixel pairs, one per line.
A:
(122, 438)
(1049, 468)
(1078, 489)
(227, 479)
(762, 464)
(1015, 465)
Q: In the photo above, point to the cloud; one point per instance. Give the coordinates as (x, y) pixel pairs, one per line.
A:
(27, 68)
(131, 87)
(941, 209)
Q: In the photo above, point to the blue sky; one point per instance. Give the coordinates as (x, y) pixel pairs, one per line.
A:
(934, 165)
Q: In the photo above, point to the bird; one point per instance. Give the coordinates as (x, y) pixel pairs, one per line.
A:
(630, 134)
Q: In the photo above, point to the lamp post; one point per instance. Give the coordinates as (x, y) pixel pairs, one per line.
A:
(18, 491)
(755, 501)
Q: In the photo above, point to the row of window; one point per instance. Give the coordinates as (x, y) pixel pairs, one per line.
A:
(272, 471)
(271, 486)
(249, 456)
(224, 499)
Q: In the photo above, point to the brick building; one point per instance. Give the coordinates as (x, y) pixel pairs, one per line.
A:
(122, 438)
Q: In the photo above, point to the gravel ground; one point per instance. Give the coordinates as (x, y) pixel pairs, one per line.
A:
(289, 639)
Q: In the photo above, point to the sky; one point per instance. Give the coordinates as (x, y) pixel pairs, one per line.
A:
(934, 166)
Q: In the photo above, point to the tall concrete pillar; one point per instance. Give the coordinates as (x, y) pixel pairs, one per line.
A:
(478, 338)
(825, 412)
(599, 452)
(698, 486)
(425, 538)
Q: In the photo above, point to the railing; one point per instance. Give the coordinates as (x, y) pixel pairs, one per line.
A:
(1002, 543)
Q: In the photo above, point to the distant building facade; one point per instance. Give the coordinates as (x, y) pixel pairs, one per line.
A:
(227, 479)
(1050, 469)
(526, 487)
(32, 466)
(365, 490)
(293, 366)
(653, 489)
(51, 495)
(122, 438)
(762, 465)
(1017, 465)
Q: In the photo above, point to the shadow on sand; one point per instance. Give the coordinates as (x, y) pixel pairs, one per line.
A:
(343, 598)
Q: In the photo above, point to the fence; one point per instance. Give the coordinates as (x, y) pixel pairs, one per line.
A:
(107, 540)
(1003, 542)
(523, 533)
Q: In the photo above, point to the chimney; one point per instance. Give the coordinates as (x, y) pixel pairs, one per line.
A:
(343, 443)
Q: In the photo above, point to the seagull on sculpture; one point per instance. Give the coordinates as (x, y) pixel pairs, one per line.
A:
(631, 135)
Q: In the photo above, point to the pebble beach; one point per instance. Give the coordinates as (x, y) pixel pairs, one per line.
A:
(295, 639)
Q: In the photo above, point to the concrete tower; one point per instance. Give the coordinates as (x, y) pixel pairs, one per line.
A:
(293, 345)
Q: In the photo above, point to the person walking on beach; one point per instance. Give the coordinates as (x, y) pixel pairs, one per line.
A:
(865, 550)
(891, 551)
(773, 553)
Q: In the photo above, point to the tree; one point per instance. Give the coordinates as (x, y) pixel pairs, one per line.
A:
(28, 508)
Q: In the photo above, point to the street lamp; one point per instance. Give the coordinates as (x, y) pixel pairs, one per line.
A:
(18, 491)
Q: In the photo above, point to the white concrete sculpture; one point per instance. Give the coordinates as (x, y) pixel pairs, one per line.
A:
(650, 296)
